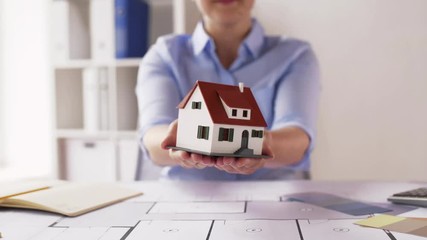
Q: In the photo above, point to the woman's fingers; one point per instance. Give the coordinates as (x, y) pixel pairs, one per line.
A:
(170, 139)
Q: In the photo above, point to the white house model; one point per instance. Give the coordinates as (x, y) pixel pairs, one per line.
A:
(220, 120)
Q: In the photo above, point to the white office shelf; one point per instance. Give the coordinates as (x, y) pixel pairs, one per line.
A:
(126, 134)
(131, 62)
(76, 64)
(95, 112)
(73, 64)
(81, 134)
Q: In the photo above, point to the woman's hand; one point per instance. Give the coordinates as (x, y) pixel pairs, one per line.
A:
(246, 165)
(239, 165)
(228, 164)
(183, 158)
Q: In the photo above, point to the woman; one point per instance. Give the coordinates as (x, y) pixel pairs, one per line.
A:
(228, 47)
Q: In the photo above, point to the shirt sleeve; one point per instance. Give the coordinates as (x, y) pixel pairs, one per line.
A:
(156, 91)
(297, 96)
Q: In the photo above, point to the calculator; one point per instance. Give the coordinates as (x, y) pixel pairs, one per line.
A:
(416, 197)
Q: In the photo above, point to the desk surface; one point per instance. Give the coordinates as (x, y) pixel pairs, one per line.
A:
(217, 210)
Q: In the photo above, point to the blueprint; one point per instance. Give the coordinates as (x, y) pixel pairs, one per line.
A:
(210, 213)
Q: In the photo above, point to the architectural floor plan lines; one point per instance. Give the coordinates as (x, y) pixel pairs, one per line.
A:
(83, 233)
(24, 217)
(343, 229)
(171, 230)
(125, 214)
(198, 207)
(240, 211)
(255, 230)
(214, 211)
(211, 220)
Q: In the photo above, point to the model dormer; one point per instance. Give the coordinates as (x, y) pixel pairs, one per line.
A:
(235, 103)
(235, 112)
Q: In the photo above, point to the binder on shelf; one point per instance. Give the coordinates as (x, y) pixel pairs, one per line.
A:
(131, 28)
(60, 31)
(102, 29)
(91, 104)
(104, 99)
(95, 99)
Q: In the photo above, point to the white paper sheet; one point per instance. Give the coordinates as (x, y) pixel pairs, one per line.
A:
(198, 207)
(192, 221)
(171, 230)
(290, 210)
(26, 218)
(343, 229)
(405, 236)
(125, 214)
(254, 210)
(208, 191)
(255, 229)
(19, 233)
(417, 213)
(50, 233)
(114, 233)
(84, 233)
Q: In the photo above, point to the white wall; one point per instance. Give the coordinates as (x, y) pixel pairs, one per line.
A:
(26, 89)
(2, 157)
(185, 16)
(373, 55)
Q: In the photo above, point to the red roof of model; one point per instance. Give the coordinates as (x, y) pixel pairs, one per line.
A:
(232, 99)
(213, 93)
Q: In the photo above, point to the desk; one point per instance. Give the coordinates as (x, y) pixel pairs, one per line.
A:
(214, 210)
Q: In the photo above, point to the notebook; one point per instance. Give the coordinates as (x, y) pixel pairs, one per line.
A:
(10, 189)
(71, 199)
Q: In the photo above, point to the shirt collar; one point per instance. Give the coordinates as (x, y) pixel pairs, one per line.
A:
(200, 38)
(253, 42)
(255, 39)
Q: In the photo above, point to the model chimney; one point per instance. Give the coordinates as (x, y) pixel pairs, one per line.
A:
(241, 87)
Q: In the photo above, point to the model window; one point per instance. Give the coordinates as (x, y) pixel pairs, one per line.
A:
(245, 113)
(234, 112)
(196, 105)
(257, 134)
(203, 132)
(226, 134)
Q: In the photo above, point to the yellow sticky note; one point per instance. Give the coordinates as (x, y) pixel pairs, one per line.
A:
(380, 221)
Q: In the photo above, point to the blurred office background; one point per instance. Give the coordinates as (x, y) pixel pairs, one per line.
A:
(373, 110)
(25, 90)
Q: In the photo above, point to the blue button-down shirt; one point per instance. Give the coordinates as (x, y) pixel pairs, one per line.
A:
(282, 73)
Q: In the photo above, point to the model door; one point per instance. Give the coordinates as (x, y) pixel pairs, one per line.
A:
(245, 139)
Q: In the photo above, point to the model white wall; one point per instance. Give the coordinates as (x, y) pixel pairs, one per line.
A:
(230, 147)
(373, 55)
(189, 120)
